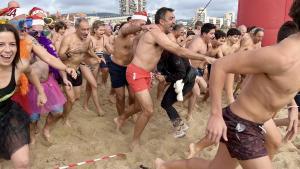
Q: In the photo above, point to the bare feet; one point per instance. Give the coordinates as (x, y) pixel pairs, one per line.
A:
(119, 123)
(134, 145)
(100, 113)
(46, 134)
(194, 150)
(159, 163)
(189, 117)
(66, 122)
(86, 108)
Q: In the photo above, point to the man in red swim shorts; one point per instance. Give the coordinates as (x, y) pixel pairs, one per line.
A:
(147, 54)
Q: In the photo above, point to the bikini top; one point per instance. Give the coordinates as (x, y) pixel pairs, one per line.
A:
(7, 92)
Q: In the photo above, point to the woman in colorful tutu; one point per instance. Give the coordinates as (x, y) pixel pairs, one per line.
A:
(14, 122)
(55, 99)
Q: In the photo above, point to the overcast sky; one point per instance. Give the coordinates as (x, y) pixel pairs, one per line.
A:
(185, 9)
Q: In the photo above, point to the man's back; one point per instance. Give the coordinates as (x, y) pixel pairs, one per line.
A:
(268, 92)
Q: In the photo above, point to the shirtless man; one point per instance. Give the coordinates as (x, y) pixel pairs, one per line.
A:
(75, 48)
(252, 40)
(215, 51)
(100, 45)
(200, 45)
(228, 48)
(122, 56)
(146, 57)
(243, 30)
(272, 85)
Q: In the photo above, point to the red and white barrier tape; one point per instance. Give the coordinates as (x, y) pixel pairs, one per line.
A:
(91, 161)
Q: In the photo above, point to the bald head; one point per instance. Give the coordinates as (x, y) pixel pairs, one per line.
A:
(13, 4)
(242, 29)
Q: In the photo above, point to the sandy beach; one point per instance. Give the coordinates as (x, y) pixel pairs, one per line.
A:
(93, 137)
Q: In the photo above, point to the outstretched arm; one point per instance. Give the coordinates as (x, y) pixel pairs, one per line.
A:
(42, 53)
(163, 40)
(128, 29)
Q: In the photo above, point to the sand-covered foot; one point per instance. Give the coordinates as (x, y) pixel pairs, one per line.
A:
(67, 123)
(47, 138)
(135, 145)
(119, 123)
(100, 113)
(189, 117)
(159, 163)
(86, 108)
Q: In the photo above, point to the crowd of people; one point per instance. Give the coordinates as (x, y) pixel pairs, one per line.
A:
(44, 62)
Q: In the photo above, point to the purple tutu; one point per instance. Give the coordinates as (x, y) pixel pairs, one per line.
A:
(55, 97)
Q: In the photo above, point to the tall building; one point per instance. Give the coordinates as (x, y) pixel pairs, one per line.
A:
(201, 15)
(229, 17)
(128, 7)
(216, 21)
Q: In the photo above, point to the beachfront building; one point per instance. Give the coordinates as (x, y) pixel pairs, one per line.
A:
(201, 15)
(216, 21)
(128, 7)
(229, 17)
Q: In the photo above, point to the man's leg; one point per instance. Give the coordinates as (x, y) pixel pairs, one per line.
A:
(52, 118)
(131, 96)
(88, 75)
(258, 163)
(120, 100)
(272, 137)
(89, 89)
(195, 148)
(222, 160)
(69, 104)
(192, 101)
(104, 75)
(160, 89)
(202, 83)
(145, 100)
(87, 97)
(131, 110)
(20, 158)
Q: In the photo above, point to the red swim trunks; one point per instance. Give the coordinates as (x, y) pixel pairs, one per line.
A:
(138, 78)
